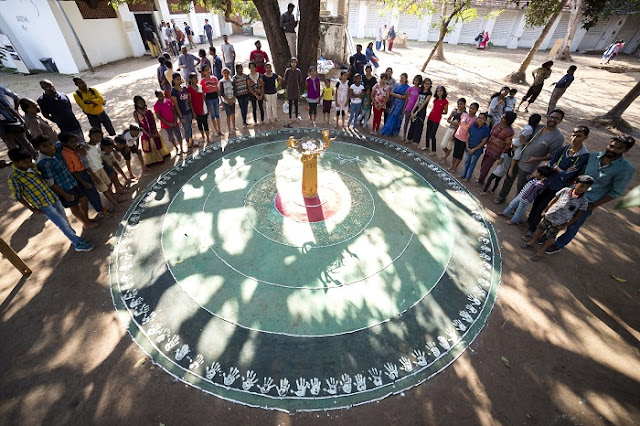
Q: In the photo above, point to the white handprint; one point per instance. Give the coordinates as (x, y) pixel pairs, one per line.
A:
(130, 294)
(181, 352)
(484, 282)
(471, 308)
(406, 364)
(284, 387)
(249, 380)
(420, 358)
(452, 335)
(196, 362)
(486, 274)
(302, 386)
(346, 383)
(154, 329)
(172, 343)
(434, 349)
(485, 265)
(392, 370)
(148, 318)
(485, 248)
(233, 375)
(473, 299)
(465, 316)
(143, 310)
(315, 386)
(164, 335)
(361, 382)
(126, 279)
(459, 325)
(126, 285)
(332, 386)
(212, 371)
(267, 386)
(376, 376)
(134, 303)
(485, 257)
(479, 291)
(443, 342)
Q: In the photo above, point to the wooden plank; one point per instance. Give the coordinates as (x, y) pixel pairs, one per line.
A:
(13, 257)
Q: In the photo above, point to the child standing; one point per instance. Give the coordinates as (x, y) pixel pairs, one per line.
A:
(165, 110)
(97, 169)
(356, 93)
(228, 98)
(564, 210)
(270, 80)
(461, 136)
(209, 85)
(198, 106)
(110, 156)
(180, 97)
(379, 97)
(411, 99)
(313, 94)
(132, 142)
(29, 189)
(503, 165)
(327, 99)
(529, 192)
(292, 81)
(448, 143)
(440, 107)
(366, 108)
(419, 112)
(478, 136)
(342, 98)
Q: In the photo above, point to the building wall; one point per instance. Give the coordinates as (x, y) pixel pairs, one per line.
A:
(29, 26)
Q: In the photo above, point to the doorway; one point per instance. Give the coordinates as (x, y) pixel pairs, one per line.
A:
(141, 19)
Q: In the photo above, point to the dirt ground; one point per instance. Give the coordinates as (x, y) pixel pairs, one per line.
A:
(570, 332)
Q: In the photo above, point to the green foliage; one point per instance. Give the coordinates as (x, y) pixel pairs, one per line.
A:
(419, 8)
(538, 12)
(632, 199)
(597, 9)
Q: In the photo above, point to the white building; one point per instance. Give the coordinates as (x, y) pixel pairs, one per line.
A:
(43, 29)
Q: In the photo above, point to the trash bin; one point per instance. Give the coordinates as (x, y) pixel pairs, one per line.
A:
(202, 39)
(49, 64)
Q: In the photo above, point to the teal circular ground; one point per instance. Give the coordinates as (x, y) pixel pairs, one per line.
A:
(228, 293)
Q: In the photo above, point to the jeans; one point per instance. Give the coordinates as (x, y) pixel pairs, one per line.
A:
(572, 230)
(102, 118)
(354, 113)
(243, 101)
(213, 105)
(232, 67)
(55, 213)
(364, 116)
(186, 126)
(470, 162)
(518, 206)
(92, 194)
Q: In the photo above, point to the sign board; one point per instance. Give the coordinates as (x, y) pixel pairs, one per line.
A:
(555, 48)
(12, 58)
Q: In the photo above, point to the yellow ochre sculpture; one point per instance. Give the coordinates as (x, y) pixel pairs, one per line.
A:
(310, 149)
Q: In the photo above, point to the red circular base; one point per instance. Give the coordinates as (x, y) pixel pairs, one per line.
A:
(291, 204)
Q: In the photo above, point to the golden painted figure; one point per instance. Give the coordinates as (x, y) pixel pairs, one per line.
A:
(310, 149)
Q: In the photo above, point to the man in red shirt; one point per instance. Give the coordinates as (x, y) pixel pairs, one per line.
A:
(259, 57)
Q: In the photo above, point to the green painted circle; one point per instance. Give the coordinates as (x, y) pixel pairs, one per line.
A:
(304, 327)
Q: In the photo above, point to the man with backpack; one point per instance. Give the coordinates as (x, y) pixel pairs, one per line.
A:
(92, 103)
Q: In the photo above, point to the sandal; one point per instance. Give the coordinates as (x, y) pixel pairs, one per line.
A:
(528, 236)
(526, 246)
(535, 257)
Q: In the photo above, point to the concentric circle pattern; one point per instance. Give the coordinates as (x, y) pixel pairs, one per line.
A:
(235, 283)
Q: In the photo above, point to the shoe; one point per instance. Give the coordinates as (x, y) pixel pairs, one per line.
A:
(498, 201)
(84, 246)
(541, 240)
(553, 249)
(528, 236)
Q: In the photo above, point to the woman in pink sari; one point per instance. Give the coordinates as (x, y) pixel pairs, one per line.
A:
(484, 41)
(154, 151)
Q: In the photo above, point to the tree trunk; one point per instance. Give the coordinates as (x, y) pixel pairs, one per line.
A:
(270, 14)
(564, 53)
(624, 103)
(443, 31)
(520, 75)
(308, 34)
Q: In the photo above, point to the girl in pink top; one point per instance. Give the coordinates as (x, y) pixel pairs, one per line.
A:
(410, 101)
(379, 97)
(462, 134)
(440, 107)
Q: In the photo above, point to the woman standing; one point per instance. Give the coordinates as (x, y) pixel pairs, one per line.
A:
(440, 108)
(198, 106)
(398, 97)
(497, 105)
(293, 81)
(154, 151)
(204, 61)
(412, 95)
(539, 76)
(499, 142)
(392, 37)
(371, 57)
(484, 41)
(419, 112)
(241, 90)
(256, 95)
(209, 85)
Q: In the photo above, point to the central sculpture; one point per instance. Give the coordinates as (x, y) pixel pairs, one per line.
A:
(310, 150)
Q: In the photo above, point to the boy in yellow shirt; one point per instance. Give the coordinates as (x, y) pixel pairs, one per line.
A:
(327, 98)
(91, 102)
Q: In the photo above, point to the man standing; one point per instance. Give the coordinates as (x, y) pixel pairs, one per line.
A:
(288, 23)
(208, 31)
(259, 57)
(361, 60)
(55, 106)
(170, 38)
(611, 174)
(545, 142)
(12, 128)
(187, 63)
(91, 102)
(189, 33)
(228, 55)
(161, 72)
(150, 38)
(561, 87)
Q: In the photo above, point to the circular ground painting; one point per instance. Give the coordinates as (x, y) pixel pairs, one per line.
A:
(235, 283)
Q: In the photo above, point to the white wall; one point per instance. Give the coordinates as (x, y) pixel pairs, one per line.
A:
(104, 40)
(34, 30)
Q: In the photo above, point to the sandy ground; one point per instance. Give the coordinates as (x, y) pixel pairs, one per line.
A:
(570, 332)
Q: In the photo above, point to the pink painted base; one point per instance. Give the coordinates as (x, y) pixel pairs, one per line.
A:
(291, 204)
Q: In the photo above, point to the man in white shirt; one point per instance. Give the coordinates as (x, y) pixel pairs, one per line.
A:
(228, 55)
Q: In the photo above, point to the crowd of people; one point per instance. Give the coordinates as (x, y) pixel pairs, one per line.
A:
(561, 183)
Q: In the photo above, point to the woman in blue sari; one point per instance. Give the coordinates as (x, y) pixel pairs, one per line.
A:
(394, 118)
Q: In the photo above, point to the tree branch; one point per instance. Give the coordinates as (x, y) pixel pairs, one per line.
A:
(228, 10)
